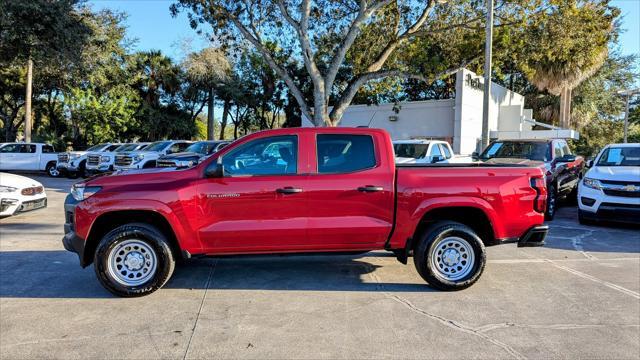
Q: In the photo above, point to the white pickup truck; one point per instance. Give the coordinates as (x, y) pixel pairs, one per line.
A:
(147, 157)
(73, 163)
(103, 161)
(426, 152)
(28, 157)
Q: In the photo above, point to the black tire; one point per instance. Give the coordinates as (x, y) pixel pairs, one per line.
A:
(149, 165)
(52, 170)
(82, 169)
(428, 247)
(552, 203)
(572, 198)
(150, 236)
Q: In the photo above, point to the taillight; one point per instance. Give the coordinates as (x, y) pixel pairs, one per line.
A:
(540, 186)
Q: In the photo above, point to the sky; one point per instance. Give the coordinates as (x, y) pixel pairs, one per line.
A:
(153, 26)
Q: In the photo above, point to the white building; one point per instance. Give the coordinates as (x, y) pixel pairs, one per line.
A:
(458, 120)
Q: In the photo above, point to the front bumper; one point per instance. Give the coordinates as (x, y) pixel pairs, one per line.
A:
(534, 236)
(9, 207)
(623, 213)
(67, 168)
(71, 241)
(594, 204)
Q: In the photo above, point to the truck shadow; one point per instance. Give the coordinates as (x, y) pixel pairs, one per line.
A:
(56, 274)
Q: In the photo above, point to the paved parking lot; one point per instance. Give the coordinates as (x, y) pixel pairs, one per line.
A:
(577, 297)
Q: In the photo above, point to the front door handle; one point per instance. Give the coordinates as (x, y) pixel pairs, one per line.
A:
(370, 188)
(288, 190)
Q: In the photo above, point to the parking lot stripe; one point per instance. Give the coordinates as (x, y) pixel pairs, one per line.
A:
(595, 279)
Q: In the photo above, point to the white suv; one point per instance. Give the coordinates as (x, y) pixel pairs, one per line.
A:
(102, 161)
(611, 188)
(147, 157)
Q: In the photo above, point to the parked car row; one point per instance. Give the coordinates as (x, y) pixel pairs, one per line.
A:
(114, 157)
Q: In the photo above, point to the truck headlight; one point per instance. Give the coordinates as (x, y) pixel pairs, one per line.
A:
(7, 189)
(592, 183)
(105, 159)
(81, 192)
(138, 158)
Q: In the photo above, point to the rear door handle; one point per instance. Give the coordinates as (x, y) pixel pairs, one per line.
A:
(288, 190)
(370, 188)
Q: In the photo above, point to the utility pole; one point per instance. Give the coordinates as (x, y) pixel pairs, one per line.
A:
(27, 103)
(627, 94)
(487, 75)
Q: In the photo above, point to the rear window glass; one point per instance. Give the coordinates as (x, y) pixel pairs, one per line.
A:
(344, 153)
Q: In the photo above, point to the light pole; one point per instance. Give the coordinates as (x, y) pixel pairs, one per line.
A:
(487, 75)
(627, 94)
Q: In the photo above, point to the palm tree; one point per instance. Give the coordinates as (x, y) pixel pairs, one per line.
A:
(567, 46)
(208, 69)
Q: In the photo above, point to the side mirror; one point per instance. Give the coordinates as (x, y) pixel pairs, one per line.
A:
(215, 170)
(436, 159)
(589, 163)
(475, 155)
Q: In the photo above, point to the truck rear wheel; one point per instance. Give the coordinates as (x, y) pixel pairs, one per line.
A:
(449, 256)
(134, 260)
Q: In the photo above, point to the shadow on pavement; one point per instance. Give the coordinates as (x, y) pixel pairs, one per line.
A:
(57, 274)
(566, 233)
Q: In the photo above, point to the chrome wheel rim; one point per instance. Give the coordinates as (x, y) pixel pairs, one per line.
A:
(452, 258)
(53, 171)
(132, 262)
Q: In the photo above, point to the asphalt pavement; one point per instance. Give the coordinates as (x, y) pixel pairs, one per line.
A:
(577, 297)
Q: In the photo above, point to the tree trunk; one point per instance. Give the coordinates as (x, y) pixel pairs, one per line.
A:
(27, 112)
(210, 118)
(225, 117)
(565, 108)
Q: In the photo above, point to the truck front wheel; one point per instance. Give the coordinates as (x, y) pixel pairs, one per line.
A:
(449, 256)
(134, 260)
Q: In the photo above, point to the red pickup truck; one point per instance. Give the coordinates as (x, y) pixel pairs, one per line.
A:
(298, 191)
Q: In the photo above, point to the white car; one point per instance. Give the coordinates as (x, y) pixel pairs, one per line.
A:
(426, 152)
(19, 194)
(610, 190)
(102, 161)
(74, 163)
(28, 157)
(147, 157)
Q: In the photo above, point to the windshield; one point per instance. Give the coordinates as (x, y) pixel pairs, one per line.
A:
(126, 147)
(416, 151)
(157, 146)
(96, 147)
(517, 149)
(620, 156)
(201, 147)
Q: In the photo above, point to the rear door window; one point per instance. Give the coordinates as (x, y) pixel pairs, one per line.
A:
(341, 153)
(445, 150)
(557, 150)
(47, 149)
(435, 150)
